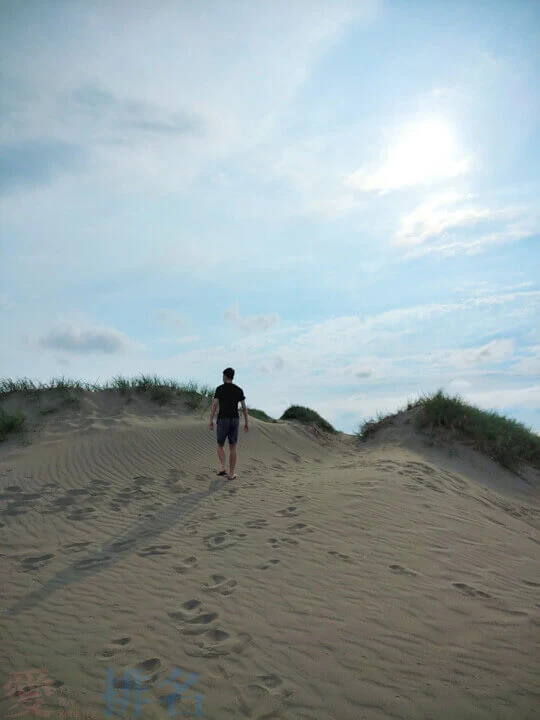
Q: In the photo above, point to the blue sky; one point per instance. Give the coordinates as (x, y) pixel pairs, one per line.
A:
(338, 199)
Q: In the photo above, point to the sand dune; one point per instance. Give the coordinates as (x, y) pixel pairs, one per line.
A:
(331, 580)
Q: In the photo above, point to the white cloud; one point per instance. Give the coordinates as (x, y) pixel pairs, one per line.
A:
(72, 339)
(252, 323)
(496, 351)
(104, 82)
(528, 365)
(277, 363)
(450, 224)
(435, 217)
(526, 397)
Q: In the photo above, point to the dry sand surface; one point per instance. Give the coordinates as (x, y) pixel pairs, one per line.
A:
(331, 580)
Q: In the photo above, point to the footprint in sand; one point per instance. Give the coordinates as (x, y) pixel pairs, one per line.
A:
(154, 550)
(175, 481)
(63, 501)
(264, 697)
(257, 524)
(339, 555)
(221, 540)
(270, 682)
(209, 640)
(75, 547)
(139, 677)
(220, 584)
(400, 570)
(34, 563)
(191, 619)
(470, 591)
(115, 646)
(97, 488)
(190, 528)
(216, 642)
(149, 668)
(188, 609)
(141, 480)
(82, 513)
(290, 511)
(50, 487)
(299, 529)
(92, 562)
(277, 543)
(187, 564)
(19, 503)
(122, 545)
(271, 563)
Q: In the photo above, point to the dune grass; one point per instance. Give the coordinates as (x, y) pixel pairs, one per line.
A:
(260, 415)
(155, 388)
(308, 416)
(505, 440)
(11, 423)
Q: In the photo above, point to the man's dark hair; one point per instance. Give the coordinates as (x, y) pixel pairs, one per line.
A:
(229, 373)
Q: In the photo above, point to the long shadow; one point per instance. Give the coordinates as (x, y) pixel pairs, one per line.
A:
(116, 549)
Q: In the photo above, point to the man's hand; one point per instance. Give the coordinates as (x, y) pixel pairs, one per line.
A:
(211, 424)
(246, 427)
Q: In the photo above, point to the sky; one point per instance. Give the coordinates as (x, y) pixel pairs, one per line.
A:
(340, 200)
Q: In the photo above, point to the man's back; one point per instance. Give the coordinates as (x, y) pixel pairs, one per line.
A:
(229, 395)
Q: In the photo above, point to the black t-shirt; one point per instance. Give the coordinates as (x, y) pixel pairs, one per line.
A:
(229, 395)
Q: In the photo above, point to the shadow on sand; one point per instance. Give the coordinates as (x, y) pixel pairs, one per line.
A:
(117, 548)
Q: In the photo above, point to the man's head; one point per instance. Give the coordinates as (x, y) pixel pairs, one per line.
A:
(228, 375)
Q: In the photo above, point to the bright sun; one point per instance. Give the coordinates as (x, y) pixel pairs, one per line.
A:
(424, 152)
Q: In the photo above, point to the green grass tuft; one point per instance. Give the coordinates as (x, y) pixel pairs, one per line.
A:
(260, 415)
(369, 428)
(155, 388)
(11, 423)
(505, 440)
(308, 416)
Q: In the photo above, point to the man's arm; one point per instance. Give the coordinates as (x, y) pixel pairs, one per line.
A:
(244, 410)
(214, 408)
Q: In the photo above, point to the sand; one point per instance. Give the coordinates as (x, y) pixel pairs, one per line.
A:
(331, 580)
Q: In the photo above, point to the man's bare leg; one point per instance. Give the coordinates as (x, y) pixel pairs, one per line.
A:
(232, 458)
(222, 457)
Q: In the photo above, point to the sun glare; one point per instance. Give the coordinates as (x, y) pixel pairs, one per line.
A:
(424, 152)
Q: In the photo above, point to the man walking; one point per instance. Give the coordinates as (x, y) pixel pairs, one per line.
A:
(227, 396)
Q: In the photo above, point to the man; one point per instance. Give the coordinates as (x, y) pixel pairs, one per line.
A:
(227, 396)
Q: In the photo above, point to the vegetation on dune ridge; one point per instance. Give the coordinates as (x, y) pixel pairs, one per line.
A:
(308, 416)
(505, 440)
(11, 423)
(156, 388)
(260, 415)
(153, 387)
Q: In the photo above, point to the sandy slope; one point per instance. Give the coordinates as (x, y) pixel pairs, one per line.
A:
(329, 581)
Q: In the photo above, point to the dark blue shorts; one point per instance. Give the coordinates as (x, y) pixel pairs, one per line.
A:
(228, 428)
